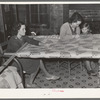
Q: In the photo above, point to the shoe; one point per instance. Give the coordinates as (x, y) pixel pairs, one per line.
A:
(32, 86)
(92, 73)
(52, 78)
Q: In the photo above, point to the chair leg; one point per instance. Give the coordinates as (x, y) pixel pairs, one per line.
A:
(33, 75)
(21, 70)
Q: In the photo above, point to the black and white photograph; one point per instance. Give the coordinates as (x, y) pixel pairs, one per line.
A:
(52, 46)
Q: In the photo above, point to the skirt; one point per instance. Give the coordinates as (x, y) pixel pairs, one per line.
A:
(28, 65)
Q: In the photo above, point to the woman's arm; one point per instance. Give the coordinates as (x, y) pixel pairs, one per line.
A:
(65, 31)
(31, 40)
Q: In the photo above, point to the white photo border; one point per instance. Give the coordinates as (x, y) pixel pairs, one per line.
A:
(49, 93)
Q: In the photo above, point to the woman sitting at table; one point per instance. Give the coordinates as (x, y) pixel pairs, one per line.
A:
(71, 28)
(29, 65)
(90, 65)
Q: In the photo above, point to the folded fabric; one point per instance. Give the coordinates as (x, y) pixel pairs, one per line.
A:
(10, 78)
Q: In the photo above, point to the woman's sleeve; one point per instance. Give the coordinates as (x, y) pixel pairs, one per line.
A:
(65, 32)
(62, 32)
(31, 40)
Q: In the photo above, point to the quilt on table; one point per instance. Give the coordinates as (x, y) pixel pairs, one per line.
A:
(83, 47)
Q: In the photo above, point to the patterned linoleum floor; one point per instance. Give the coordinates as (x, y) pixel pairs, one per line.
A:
(78, 78)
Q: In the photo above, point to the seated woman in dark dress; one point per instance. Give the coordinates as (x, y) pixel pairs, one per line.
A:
(16, 41)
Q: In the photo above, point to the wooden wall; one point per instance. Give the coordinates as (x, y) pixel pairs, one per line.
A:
(58, 14)
(2, 30)
(90, 13)
(55, 20)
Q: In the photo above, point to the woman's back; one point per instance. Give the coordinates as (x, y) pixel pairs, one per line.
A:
(14, 44)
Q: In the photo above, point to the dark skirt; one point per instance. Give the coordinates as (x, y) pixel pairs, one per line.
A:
(28, 65)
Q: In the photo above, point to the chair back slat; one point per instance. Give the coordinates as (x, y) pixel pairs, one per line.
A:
(11, 58)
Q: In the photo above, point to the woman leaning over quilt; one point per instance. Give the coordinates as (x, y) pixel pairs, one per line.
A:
(72, 29)
(29, 65)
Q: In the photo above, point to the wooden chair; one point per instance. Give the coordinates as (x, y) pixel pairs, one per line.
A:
(5, 62)
(15, 59)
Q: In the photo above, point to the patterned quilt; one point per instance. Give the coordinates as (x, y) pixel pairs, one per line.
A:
(86, 46)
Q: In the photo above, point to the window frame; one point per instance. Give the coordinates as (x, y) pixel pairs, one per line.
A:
(39, 24)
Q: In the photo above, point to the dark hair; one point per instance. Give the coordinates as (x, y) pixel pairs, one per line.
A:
(86, 25)
(75, 17)
(16, 27)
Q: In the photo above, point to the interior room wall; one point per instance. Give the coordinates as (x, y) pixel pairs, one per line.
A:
(58, 14)
(55, 19)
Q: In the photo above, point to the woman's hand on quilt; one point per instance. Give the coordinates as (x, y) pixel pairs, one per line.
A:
(33, 33)
(77, 36)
